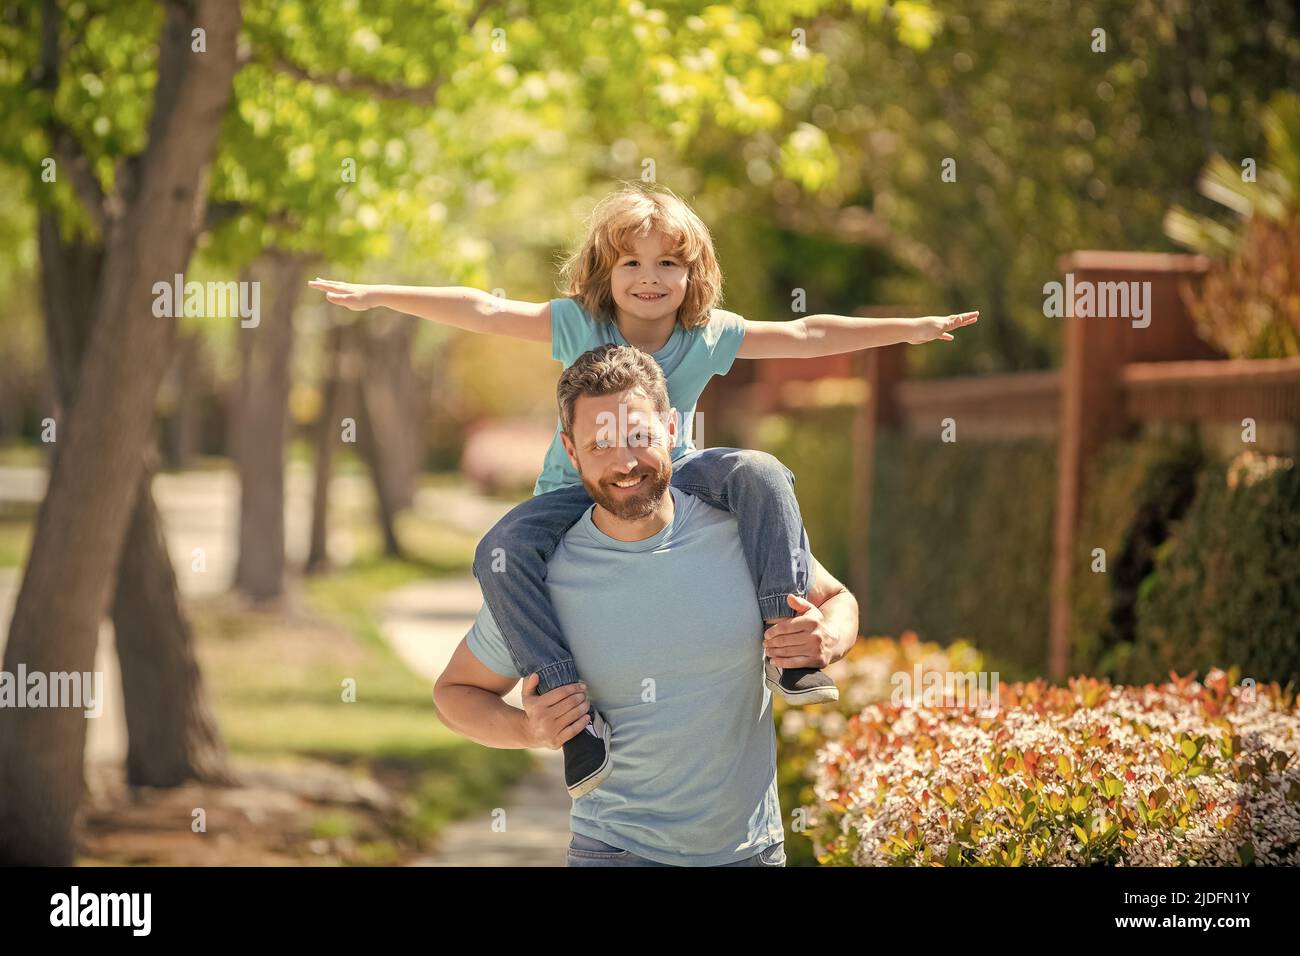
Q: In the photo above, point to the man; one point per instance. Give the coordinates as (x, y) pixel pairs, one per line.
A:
(659, 608)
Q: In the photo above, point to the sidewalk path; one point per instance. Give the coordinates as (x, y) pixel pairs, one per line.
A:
(424, 622)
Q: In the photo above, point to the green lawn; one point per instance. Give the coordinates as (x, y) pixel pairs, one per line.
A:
(13, 455)
(278, 690)
(16, 521)
(278, 687)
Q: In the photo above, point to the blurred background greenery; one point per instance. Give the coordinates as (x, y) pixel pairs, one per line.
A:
(460, 143)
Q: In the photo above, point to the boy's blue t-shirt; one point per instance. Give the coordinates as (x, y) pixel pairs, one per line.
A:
(689, 359)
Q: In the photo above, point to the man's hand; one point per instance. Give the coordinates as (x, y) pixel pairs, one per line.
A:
(556, 716)
(927, 328)
(801, 641)
(350, 295)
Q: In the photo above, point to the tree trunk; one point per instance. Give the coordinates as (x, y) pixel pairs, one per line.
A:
(171, 734)
(371, 450)
(327, 433)
(263, 415)
(94, 484)
(391, 396)
(190, 382)
(412, 414)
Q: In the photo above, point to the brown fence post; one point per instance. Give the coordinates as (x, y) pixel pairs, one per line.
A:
(882, 369)
(1092, 396)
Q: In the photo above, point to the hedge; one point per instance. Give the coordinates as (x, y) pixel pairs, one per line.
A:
(961, 533)
(1197, 573)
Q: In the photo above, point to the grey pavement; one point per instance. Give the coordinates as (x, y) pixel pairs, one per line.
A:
(424, 622)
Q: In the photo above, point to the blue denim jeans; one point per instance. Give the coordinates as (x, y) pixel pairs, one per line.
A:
(510, 561)
(586, 851)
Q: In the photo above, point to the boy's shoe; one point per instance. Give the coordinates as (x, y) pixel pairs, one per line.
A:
(799, 685)
(587, 757)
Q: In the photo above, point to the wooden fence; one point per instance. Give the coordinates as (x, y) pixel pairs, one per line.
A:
(1117, 373)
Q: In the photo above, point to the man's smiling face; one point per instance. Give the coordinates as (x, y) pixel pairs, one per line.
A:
(622, 448)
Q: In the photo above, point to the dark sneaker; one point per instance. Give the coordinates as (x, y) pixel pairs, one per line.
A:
(799, 685)
(586, 757)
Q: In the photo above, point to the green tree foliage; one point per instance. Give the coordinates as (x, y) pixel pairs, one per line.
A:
(1249, 303)
(1056, 144)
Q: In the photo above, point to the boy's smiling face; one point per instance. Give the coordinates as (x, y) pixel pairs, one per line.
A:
(649, 283)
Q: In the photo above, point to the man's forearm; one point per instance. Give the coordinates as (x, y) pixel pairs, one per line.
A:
(832, 334)
(482, 717)
(840, 617)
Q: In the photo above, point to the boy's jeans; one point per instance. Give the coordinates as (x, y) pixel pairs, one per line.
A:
(753, 485)
(585, 851)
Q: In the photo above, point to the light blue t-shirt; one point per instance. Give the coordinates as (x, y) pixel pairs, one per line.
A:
(667, 634)
(689, 359)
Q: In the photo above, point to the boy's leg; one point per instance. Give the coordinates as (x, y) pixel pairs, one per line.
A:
(759, 491)
(510, 564)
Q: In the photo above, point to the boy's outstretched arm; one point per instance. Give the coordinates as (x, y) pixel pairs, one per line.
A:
(456, 306)
(815, 335)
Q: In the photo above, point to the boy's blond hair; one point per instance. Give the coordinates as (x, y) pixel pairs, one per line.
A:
(634, 211)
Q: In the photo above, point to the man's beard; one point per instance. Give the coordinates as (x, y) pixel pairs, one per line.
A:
(637, 506)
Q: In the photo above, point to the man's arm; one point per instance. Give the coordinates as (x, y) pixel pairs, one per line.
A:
(468, 695)
(824, 630)
(839, 608)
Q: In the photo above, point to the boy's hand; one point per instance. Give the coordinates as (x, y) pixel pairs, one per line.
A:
(358, 298)
(801, 641)
(556, 716)
(927, 328)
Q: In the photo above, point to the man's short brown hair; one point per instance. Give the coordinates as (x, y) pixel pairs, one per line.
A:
(608, 369)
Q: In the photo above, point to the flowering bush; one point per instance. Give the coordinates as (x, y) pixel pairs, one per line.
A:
(1182, 773)
(864, 677)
